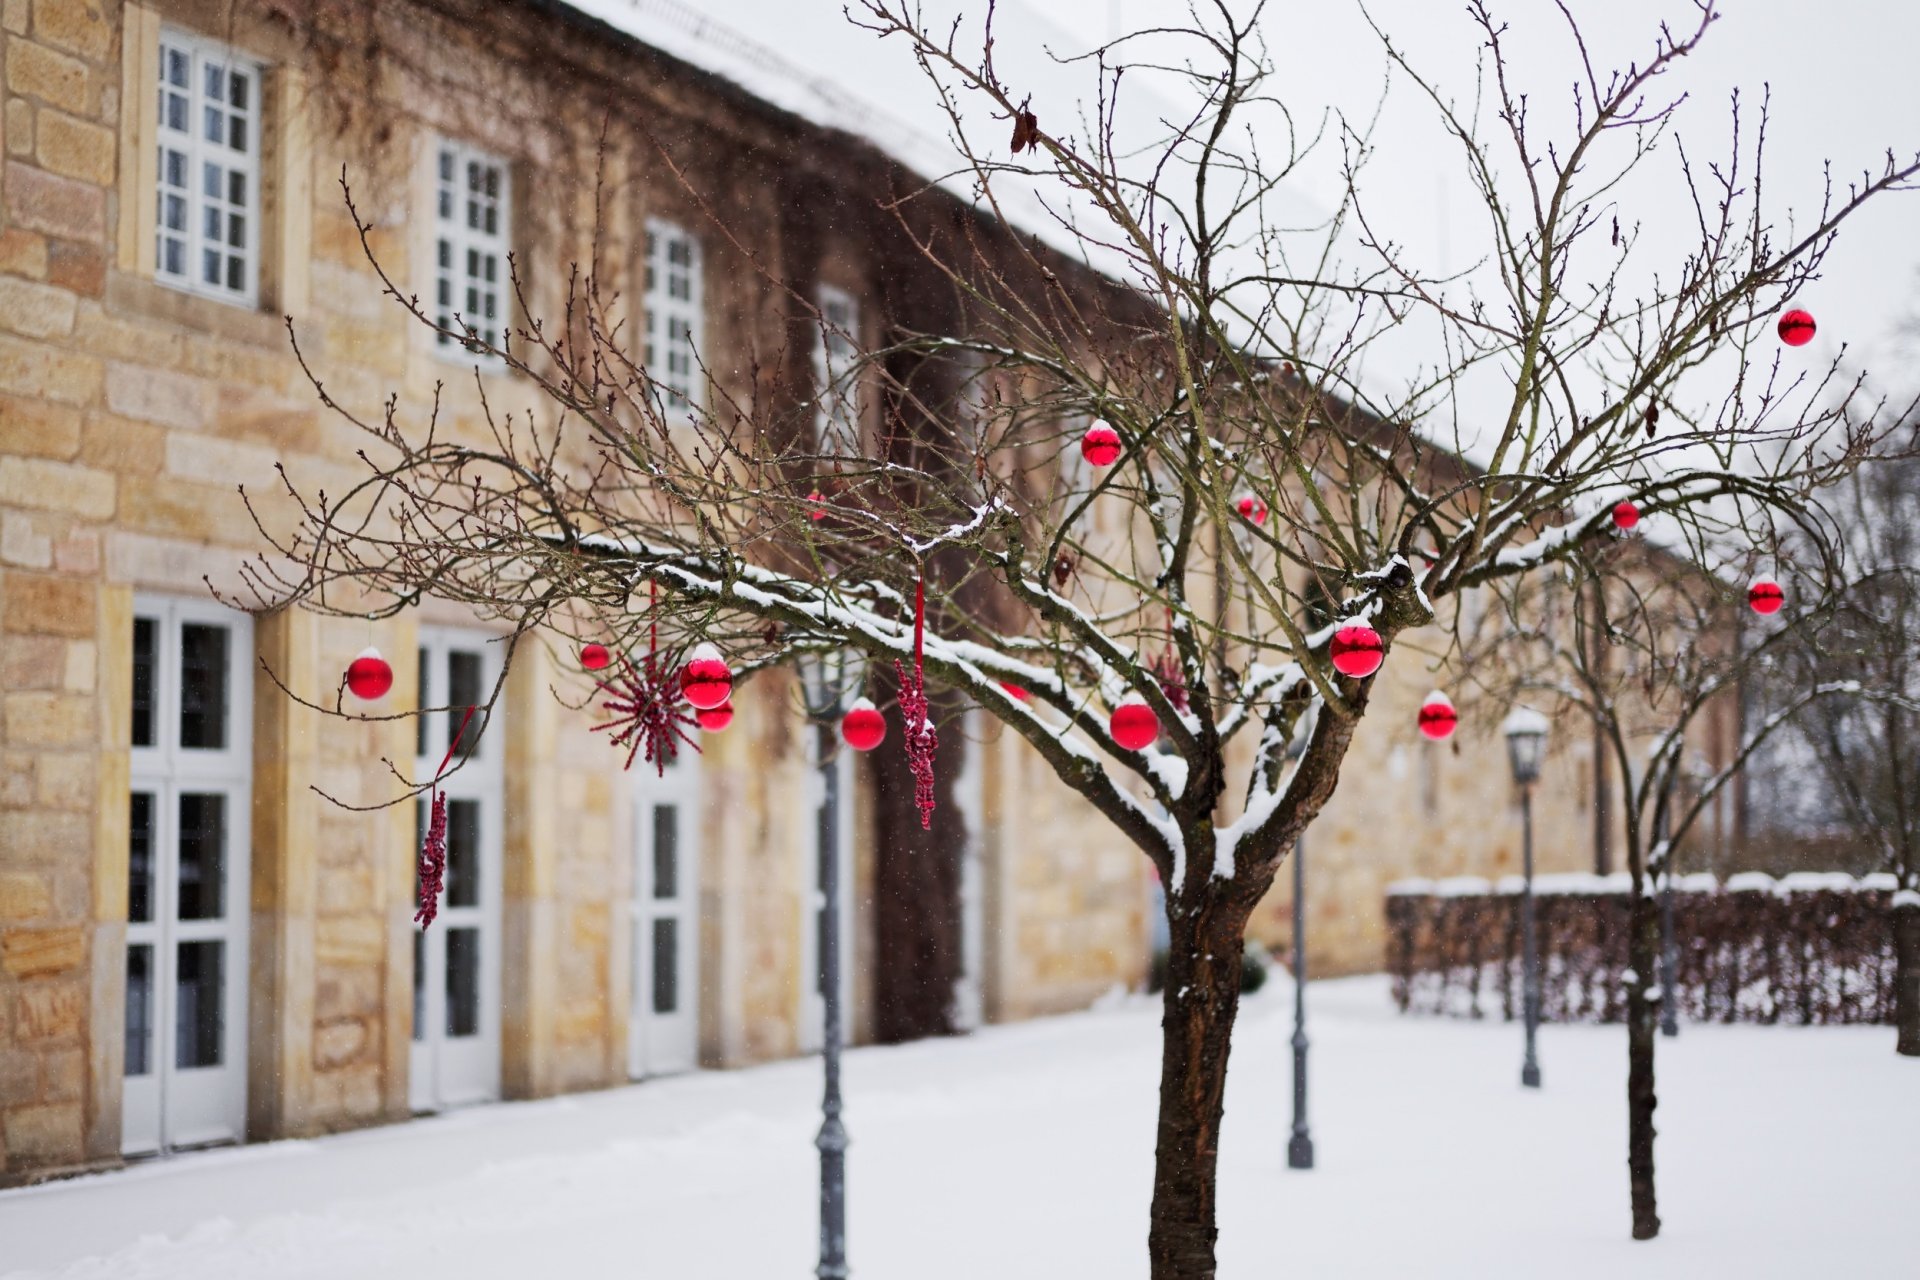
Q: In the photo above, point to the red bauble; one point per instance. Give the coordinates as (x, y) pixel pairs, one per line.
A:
(1133, 724)
(1015, 692)
(863, 727)
(1766, 596)
(1796, 328)
(594, 656)
(1101, 445)
(1625, 515)
(815, 506)
(705, 681)
(1437, 716)
(1252, 508)
(368, 676)
(714, 719)
(1356, 650)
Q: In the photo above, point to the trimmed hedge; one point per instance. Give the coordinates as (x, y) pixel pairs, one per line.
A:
(1804, 949)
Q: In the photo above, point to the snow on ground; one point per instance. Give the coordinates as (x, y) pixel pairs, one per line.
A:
(1025, 1152)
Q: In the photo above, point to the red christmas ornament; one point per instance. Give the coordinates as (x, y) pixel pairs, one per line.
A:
(1437, 716)
(816, 506)
(1766, 596)
(1625, 515)
(1133, 724)
(1101, 445)
(705, 681)
(1796, 328)
(1357, 651)
(1015, 692)
(863, 727)
(1252, 508)
(594, 657)
(368, 676)
(714, 719)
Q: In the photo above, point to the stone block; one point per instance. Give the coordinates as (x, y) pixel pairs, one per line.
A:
(36, 429)
(19, 1075)
(39, 72)
(19, 128)
(24, 895)
(190, 512)
(66, 1075)
(346, 991)
(55, 204)
(74, 148)
(122, 445)
(41, 836)
(336, 1044)
(57, 486)
(79, 267)
(78, 553)
(349, 940)
(31, 663)
(81, 669)
(36, 310)
(19, 774)
(22, 253)
(78, 26)
(35, 370)
(49, 720)
(23, 544)
(155, 395)
(212, 460)
(14, 14)
(67, 781)
(32, 953)
(45, 1134)
(39, 604)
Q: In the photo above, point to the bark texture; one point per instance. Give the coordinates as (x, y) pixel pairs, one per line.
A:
(1200, 1002)
(1906, 979)
(1643, 1019)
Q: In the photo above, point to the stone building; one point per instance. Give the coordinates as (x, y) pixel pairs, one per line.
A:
(205, 930)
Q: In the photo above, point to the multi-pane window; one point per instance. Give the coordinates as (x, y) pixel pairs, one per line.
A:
(673, 316)
(471, 204)
(208, 197)
(187, 829)
(836, 369)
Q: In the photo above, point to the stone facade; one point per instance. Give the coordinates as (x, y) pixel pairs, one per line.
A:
(130, 411)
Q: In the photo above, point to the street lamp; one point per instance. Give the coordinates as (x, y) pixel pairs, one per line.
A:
(1300, 1145)
(1526, 733)
(828, 682)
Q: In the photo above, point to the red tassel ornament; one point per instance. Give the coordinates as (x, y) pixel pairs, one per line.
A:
(432, 869)
(921, 738)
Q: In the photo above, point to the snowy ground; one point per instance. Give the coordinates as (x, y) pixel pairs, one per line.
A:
(1024, 1152)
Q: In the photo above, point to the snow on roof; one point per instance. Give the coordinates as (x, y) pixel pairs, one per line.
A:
(806, 57)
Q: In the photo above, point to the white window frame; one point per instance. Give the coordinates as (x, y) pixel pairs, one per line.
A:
(836, 358)
(660, 1044)
(194, 151)
(680, 382)
(460, 251)
(205, 1111)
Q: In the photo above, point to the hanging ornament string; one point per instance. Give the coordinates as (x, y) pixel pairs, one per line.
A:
(920, 736)
(1166, 671)
(433, 854)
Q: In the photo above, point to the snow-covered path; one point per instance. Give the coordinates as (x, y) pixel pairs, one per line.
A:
(1024, 1152)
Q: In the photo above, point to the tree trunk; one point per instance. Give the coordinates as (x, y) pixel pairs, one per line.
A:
(1906, 978)
(1643, 1018)
(1200, 1001)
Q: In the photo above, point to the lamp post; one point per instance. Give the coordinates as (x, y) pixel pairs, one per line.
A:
(828, 682)
(1526, 733)
(1300, 1145)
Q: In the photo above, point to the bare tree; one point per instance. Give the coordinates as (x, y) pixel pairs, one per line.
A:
(1658, 648)
(1865, 751)
(1224, 350)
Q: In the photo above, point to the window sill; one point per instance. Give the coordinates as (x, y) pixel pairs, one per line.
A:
(135, 297)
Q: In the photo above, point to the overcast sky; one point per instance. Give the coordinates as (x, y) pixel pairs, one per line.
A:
(1842, 76)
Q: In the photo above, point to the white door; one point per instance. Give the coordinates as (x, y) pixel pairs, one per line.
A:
(456, 960)
(813, 1009)
(969, 1003)
(663, 1032)
(187, 892)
